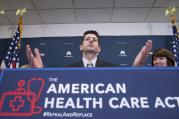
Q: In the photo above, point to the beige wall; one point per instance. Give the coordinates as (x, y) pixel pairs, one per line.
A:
(113, 29)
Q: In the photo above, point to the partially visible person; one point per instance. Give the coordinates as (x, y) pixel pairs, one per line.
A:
(143, 54)
(160, 58)
(34, 61)
(163, 58)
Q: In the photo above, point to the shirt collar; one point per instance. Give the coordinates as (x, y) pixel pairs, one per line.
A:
(85, 61)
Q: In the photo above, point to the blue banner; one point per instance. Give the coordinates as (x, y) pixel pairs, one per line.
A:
(100, 93)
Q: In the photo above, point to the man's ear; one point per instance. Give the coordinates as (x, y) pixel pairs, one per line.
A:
(81, 47)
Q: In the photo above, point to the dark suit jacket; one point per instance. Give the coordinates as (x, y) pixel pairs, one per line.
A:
(99, 63)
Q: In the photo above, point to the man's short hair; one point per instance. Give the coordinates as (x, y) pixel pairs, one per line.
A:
(91, 32)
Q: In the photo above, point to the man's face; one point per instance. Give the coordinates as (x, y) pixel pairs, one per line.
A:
(90, 44)
(160, 62)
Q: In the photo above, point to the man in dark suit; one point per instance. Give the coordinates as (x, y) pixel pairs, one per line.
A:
(91, 47)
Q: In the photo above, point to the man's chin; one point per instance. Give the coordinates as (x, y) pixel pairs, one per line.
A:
(91, 51)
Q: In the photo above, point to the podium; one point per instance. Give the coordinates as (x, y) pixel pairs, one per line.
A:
(95, 93)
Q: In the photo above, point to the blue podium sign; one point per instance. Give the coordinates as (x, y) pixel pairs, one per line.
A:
(100, 93)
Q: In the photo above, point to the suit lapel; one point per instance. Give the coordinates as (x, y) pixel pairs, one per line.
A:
(80, 64)
(99, 63)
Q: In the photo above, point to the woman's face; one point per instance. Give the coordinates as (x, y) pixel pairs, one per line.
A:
(160, 62)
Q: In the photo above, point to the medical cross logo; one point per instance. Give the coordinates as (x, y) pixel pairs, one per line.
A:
(16, 103)
(21, 101)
